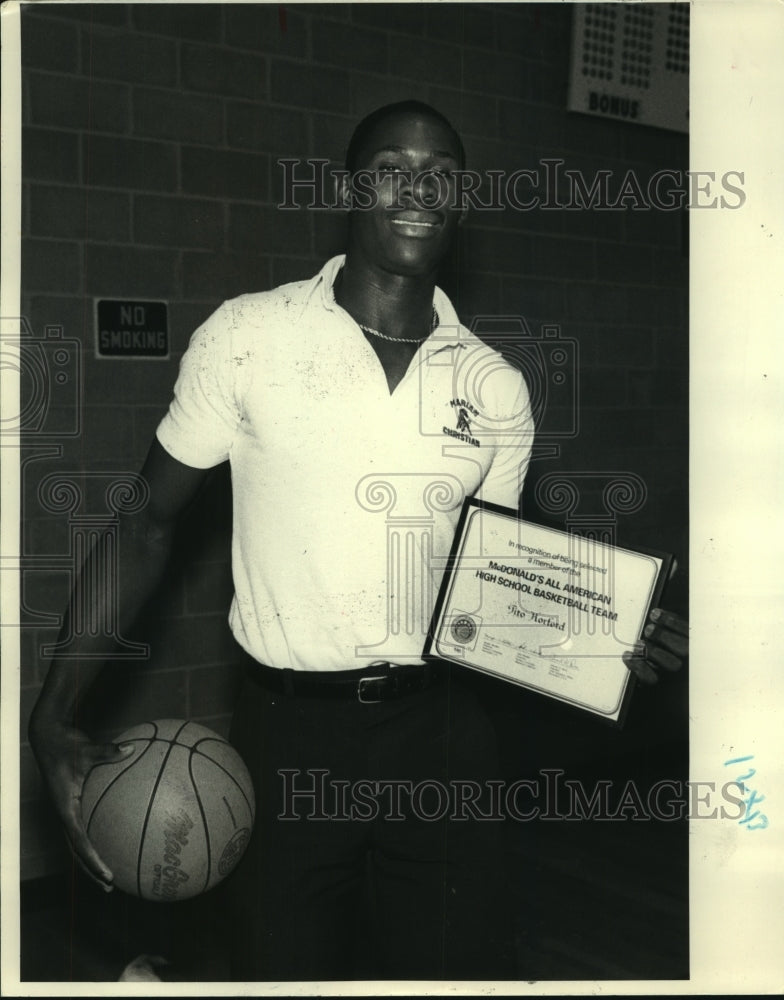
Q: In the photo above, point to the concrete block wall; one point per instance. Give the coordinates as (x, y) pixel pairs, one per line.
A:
(151, 139)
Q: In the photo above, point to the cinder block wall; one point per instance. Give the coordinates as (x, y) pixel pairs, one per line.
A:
(151, 135)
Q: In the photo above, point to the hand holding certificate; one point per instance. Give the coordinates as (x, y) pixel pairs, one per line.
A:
(547, 609)
(665, 646)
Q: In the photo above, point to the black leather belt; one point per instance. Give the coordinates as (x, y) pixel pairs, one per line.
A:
(379, 682)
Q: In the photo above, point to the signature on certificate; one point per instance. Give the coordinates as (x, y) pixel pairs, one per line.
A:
(752, 798)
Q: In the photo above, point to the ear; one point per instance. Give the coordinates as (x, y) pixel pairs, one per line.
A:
(343, 189)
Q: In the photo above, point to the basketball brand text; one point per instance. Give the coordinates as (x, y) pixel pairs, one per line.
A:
(170, 875)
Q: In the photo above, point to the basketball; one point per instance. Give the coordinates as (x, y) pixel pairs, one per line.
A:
(173, 818)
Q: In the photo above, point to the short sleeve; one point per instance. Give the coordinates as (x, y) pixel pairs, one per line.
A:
(204, 415)
(513, 427)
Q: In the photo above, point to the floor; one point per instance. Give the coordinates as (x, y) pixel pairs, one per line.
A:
(615, 905)
(600, 901)
(586, 899)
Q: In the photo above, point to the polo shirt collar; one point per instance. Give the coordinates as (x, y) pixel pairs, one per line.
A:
(448, 333)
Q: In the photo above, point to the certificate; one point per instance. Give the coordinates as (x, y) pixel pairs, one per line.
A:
(550, 610)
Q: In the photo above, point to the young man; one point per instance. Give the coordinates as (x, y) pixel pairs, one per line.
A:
(339, 401)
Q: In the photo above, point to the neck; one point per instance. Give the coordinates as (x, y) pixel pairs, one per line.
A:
(399, 305)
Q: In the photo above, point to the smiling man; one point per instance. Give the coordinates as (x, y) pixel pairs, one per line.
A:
(357, 414)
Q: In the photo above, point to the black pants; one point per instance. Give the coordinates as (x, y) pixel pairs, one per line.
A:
(347, 874)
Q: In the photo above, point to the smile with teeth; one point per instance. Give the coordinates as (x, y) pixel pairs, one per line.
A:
(413, 227)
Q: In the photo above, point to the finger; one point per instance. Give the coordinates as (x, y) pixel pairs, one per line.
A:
(84, 851)
(95, 754)
(641, 668)
(659, 657)
(669, 620)
(666, 638)
(100, 882)
(92, 866)
(108, 753)
(92, 754)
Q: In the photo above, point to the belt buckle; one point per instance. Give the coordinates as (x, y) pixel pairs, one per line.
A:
(367, 680)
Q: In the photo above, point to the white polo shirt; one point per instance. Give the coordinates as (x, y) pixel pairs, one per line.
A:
(345, 496)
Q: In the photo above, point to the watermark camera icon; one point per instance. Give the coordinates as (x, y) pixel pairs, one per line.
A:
(478, 376)
(549, 362)
(49, 370)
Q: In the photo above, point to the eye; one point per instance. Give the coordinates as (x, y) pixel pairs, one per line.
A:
(441, 172)
(389, 168)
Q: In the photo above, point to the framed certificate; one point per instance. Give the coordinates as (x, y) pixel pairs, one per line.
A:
(550, 610)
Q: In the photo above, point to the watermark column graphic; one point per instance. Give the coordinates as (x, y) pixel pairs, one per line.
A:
(590, 504)
(48, 413)
(96, 599)
(409, 502)
(50, 374)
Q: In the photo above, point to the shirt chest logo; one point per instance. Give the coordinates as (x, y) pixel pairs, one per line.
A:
(464, 413)
(463, 423)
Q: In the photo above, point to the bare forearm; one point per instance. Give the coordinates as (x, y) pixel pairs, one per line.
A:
(109, 593)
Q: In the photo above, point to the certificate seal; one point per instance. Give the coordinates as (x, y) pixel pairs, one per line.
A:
(463, 629)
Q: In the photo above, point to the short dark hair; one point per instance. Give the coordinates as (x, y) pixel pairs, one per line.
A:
(366, 126)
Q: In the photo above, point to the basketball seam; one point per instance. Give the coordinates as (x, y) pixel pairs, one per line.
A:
(203, 819)
(199, 739)
(118, 776)
(161, 769)
(228, 774)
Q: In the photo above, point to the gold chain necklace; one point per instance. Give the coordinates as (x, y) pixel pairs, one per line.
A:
(403, 340)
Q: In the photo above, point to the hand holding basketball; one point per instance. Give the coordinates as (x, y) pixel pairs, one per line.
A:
(173, 818)
(66, 756)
